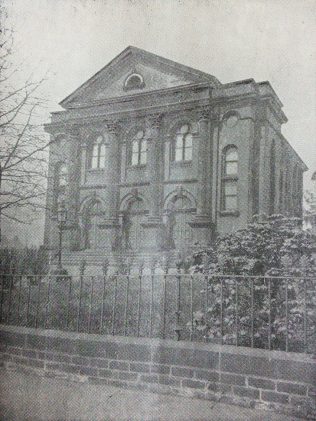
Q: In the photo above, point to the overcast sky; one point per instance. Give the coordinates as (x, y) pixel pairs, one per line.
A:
(271, 40)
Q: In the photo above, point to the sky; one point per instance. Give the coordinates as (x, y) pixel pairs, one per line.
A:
(275, 40)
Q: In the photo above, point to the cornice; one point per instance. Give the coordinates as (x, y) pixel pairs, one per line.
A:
(142, 95)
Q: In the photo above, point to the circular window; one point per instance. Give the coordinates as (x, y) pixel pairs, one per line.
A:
(134, 81)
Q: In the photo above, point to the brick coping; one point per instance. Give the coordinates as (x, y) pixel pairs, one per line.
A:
(166, 343)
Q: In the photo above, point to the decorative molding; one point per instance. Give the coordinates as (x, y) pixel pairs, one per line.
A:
(204, 113)
(113, 127)
(153, 121)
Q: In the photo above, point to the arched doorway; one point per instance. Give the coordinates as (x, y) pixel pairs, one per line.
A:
(93, 217)
(180, 213)
(132, 224)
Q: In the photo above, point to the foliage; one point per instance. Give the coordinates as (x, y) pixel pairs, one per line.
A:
(277, 254)
(30, 260)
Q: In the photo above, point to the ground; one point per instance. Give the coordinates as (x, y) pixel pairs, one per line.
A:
(26, 397)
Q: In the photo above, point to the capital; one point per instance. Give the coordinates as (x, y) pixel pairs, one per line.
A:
(112, 126)
(204, 113)
(154, 121)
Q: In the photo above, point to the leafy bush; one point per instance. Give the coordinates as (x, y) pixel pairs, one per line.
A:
(277, 255)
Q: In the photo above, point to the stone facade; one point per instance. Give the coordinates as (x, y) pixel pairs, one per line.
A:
(151, 156)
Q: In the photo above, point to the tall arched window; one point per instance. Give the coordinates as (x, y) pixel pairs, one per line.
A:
(61, 182)
(230, 179)
(138, 149)
(98, 153)
(272, 177)
(62, 175)
(183, 144)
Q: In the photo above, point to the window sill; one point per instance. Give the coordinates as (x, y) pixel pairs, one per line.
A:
(229, 213)
(136, 167)
(95, 170)
(181, 163)
(230, 178)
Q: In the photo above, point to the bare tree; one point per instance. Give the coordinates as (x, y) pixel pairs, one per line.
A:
(23, 145)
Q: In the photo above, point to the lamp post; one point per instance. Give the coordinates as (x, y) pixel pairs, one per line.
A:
(61, 220)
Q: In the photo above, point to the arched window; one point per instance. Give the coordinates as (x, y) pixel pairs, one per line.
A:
(98, 153)
(62, 176)
(138, 149)
(272, 177)
(183, 144)
(134, 81)
(230, 179)
(61, 183)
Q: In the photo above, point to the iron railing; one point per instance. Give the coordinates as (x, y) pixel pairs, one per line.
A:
(255, 311)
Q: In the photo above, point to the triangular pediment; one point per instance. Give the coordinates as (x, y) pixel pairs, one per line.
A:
(156, 72)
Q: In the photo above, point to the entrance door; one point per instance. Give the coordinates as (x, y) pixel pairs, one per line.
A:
(182, 232)
(136, 215)
(93, 219)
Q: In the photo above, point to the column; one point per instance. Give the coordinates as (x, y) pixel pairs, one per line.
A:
(113, 170)
(83, 163)
(153, 165)
(153, 226)
(110, 224)
(201, 223)
(74, 170)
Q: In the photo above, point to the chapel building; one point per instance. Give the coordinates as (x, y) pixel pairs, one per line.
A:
(150, 156)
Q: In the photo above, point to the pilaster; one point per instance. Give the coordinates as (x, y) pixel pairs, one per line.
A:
(153, 224)
(202, 221)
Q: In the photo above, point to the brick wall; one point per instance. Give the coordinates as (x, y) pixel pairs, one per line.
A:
(249, 377)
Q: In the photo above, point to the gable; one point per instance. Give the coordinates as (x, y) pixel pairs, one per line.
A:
(155, 72)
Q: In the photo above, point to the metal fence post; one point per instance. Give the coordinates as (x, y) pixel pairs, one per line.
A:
(178, 310)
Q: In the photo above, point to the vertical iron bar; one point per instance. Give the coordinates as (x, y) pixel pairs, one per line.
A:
(90, 305)
(191, 307)
(79, 303)
(206, 305)
(10, 294)
(47, 302)
(103, 301)
(2, 296)
(236, 309)
(19, 299)
(164, 303)
(68, 302)
(221, 313)
(114, 305)
(38, 301)
(252, 280)
(286, 315)
(28, 302)
(151, 302)
(139, 302)
(305, 315)
(269, 321)
(178, 328)
(126, 304)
